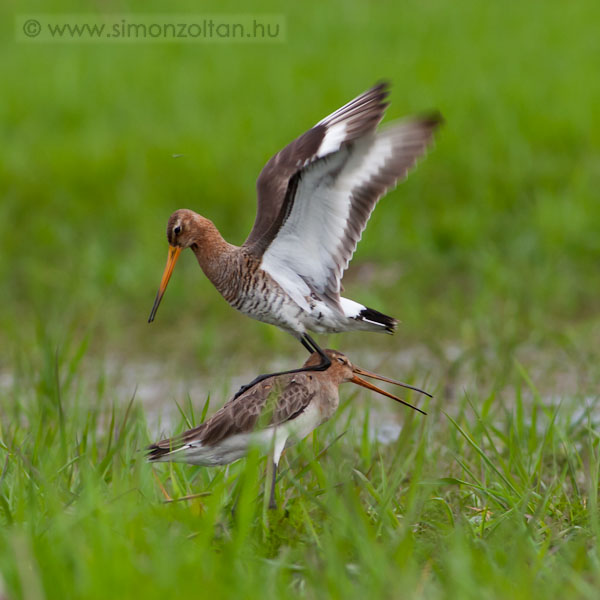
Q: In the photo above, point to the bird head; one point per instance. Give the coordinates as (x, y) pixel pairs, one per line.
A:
(342, 370)
(182, 232)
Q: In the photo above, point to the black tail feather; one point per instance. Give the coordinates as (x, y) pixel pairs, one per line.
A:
(155, 451)
(370, 314)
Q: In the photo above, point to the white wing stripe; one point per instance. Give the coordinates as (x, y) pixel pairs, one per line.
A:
(308, 244)
(332, 203)
(334, 137)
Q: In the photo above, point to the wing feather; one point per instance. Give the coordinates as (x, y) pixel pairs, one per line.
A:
(331, 201)
(269, 403)
(348, 123)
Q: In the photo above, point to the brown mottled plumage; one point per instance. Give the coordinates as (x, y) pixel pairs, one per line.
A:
(314, 200)
(272, 414)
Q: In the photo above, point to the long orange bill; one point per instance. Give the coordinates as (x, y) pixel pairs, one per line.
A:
(174, 252)
(374, 388)
(388, 380)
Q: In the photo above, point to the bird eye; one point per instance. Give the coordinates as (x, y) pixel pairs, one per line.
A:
(341, 360)
(177, 229)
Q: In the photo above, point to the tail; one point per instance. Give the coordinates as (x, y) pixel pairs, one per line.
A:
(165, 450)
(368, 319)
(155, 453)
(370, 315)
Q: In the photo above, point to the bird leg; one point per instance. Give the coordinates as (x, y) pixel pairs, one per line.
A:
(311, 346)
(272, 501)
(307, 345)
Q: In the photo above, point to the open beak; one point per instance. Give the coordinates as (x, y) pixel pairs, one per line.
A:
(374, 388)
(174, 252)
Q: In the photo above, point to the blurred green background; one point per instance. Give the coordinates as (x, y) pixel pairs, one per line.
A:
(493, 238)
(489, 254)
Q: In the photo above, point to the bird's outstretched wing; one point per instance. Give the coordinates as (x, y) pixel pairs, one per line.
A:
(329, 202)
(348, 123)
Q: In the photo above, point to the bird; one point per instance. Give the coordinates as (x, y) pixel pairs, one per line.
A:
(275, 413)
(314, 200)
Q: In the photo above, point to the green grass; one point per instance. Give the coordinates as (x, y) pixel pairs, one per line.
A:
(488, 254)
(486, 498)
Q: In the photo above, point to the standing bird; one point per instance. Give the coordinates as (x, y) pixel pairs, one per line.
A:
(275, 413)
(314, 200)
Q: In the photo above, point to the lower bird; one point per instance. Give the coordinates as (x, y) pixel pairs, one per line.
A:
(314, 200)
(273, 414)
